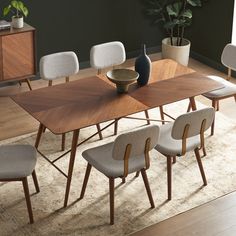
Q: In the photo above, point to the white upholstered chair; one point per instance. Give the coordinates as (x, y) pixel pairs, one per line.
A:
(106, 55)
(59, 65)
(127, 154)
(185, 134)
(228, 59)
(16, 163)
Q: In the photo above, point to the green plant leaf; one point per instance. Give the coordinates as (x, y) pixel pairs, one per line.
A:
(187, 13)
(25, 11)
(194, 3)
(6, 10)
(14, 3)
(174, 9)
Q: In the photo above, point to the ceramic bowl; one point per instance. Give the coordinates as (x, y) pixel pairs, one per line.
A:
(122, 78)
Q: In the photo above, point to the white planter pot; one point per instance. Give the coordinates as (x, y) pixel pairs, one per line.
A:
(17, 22)
(177, 53)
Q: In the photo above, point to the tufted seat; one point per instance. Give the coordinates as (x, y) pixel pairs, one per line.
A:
(173, 147)
(17, 161)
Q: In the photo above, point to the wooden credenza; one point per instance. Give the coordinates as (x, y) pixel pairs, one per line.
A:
(17, 54)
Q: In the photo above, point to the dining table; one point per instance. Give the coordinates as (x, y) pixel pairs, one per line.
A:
(81, 103)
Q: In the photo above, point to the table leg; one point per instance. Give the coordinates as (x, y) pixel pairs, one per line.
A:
(71, 164)
(193, 103)
(40, 131)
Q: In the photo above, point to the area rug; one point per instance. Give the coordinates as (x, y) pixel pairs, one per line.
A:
(90, 216)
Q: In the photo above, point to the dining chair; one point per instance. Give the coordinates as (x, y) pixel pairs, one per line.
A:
(106, 55)
(228, 59)
(59, 65)
(127, 154)
(17, 162)
(183, 135)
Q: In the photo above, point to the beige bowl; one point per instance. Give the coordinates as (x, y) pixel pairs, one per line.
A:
(122, 78)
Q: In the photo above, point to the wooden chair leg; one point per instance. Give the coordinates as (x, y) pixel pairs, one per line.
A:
(169, 176)
(99, 131)
(116, 127)
(189, 107)
(162, 114)
(123, 180)
(147, 186)
(112, 200)
(67, 79)
(50, 83)
(174, 160)
(86, 177)
(36, 184)
(29, 84)
(137, 174)
(214, 102)
(19, 82)
(63, 142)
(199, 161)
(147, 117)
(27, 198)
(218, 105)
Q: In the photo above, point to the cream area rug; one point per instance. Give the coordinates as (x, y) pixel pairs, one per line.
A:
(90, 216)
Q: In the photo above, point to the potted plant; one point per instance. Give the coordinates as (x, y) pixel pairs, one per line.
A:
(19, 10)
(175, 16)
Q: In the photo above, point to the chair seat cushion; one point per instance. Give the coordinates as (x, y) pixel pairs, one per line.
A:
(17, 161)
(101, 158)
(173, 147)
(228, 89)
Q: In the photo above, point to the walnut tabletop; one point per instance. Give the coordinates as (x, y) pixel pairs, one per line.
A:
(159, 93)
(89, 101)
(78, 104)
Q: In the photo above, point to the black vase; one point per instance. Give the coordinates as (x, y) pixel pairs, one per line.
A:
(143, 67)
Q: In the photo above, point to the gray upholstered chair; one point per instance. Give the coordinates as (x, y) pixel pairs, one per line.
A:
(127, 154)
(59, 65)
(106, 55)
(185, 134)
(16, 163)
(228, 59)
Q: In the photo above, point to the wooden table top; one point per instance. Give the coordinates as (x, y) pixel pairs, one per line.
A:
(85, 102)
(78, 104)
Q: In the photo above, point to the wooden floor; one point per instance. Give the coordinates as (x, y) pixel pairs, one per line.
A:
(215, 218)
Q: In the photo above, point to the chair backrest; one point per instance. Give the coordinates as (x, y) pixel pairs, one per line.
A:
(194, 120)
(58, 65)
(228, 57)
(137, 139)
(107, 54)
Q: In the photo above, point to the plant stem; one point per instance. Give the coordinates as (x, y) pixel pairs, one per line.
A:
(182, 33)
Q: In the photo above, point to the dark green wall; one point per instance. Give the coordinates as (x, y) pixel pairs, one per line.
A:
(78, 24)
(211, 30)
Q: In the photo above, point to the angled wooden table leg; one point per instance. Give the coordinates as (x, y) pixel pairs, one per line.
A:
(39, 134)
(193, 103)
(71, 164)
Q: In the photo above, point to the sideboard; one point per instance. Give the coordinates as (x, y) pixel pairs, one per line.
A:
(17, 54)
